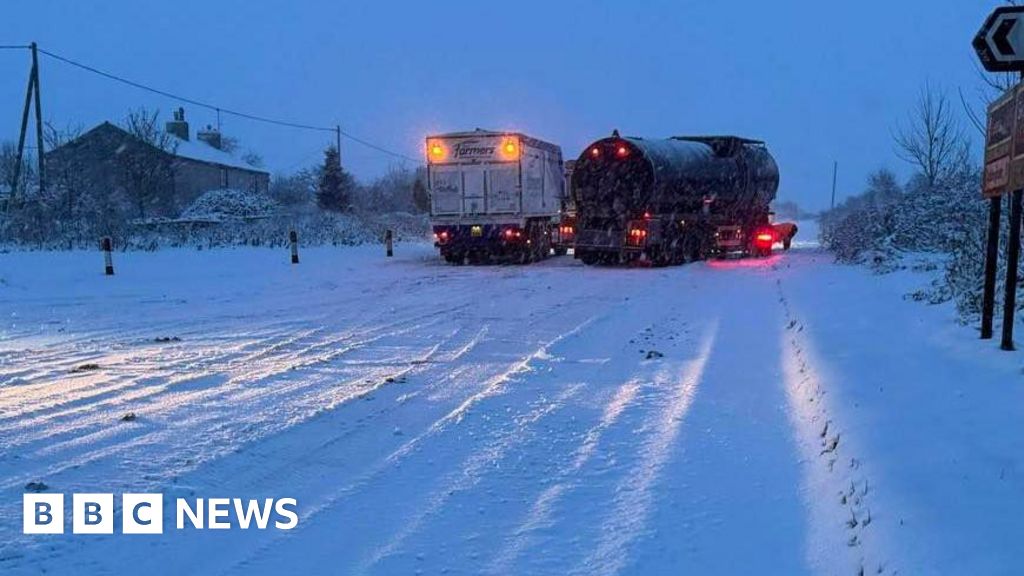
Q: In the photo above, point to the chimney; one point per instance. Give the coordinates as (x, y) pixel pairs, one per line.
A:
(211, 136)
(178, 127)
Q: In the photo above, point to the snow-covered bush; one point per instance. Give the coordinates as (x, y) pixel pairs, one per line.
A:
(229, 204)
(861, 228)
(948, 219)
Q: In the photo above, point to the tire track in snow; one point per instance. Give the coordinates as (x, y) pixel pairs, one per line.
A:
(470, 473)
(491, 387)
(62, 388)
(284, 465)
(44, 389)
(230, 395)
(634, 496)
(541, 511)
(237, 368)
(838, 488)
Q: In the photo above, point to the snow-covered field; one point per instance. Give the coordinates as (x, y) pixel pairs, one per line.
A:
(781, 416)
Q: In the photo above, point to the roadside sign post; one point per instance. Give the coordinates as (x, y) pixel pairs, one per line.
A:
(1000, 48)
(988, 296)
(1012, 259)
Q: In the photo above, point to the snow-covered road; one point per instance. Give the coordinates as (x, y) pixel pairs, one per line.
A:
(780, 416)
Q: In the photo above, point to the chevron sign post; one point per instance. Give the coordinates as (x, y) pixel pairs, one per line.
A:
(1000, 42)
(1000, 47)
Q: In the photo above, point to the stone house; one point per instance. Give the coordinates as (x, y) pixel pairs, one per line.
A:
(196, 165)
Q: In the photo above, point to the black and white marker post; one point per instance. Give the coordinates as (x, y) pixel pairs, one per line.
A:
(108, 259)
(293, 238)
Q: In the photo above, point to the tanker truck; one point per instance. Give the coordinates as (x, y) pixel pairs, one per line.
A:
(674, 200)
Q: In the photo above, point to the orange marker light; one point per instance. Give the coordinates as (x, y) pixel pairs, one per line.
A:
(622, 151)
(595, 152)
(509, 149)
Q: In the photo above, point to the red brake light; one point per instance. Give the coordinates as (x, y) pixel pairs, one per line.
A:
(622, 151)
(595, 152)
(637, 236)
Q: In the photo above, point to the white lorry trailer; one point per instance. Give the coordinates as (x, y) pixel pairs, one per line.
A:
(494, 195)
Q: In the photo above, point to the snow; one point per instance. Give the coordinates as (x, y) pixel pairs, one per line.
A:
(549, 419)
(217, 205)
(199, 150)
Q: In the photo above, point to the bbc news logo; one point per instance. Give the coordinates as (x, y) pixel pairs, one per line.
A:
(144, 513)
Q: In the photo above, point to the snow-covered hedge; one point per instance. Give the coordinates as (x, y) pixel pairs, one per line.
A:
(948, 219)
(27, 230)
(228, 204)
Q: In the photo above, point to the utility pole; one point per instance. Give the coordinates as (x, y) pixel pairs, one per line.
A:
(33, 89)
(835, 171)
(337, 142)
(39, 119)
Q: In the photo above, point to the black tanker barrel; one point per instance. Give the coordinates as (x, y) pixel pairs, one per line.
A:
(620, 178)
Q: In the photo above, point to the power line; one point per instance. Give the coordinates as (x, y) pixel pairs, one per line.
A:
(219, 109)
(14, 47)
(378, 148)
(182, 98)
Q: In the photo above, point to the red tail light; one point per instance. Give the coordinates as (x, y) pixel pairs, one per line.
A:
(764, 238)
(636, 236)
(566, 230)
(512, 233)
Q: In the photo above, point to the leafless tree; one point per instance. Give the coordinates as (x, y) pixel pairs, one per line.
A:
(146, 163)
(932, 140)
(54, 137)
(253, 158)
(145, 126)
(8, 162)
(66, 173)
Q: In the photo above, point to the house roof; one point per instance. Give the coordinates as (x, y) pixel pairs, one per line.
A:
(195, 150)
(203, 152)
